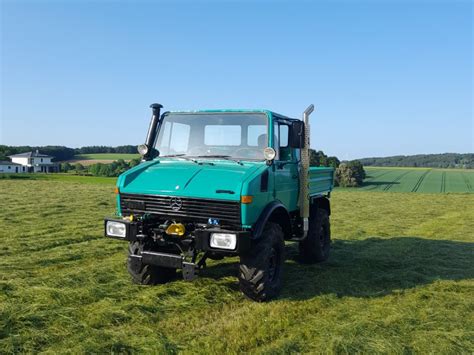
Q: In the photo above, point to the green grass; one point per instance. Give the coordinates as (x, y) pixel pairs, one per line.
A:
(419, 180)
(82, 179)
(399, 280)
(106, 156)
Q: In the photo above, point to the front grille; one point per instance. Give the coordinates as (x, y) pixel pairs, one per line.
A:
(192, 209)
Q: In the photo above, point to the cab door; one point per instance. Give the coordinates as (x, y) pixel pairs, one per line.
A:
(285, 168)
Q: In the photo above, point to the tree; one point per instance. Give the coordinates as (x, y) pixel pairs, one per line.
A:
(358, 169)
(350, 174)
(318, 158)
(333, 162)
(94, 169)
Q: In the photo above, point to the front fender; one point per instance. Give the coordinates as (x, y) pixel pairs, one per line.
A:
(276, 212)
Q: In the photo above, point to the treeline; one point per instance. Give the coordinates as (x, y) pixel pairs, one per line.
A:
(446, 160)
(94, 149)
(58, 152)
(61, 153)
(100, 169)
(347, 173)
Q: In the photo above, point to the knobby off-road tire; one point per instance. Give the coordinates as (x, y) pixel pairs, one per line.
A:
(147, 274)
(260, 269)
(315, 248)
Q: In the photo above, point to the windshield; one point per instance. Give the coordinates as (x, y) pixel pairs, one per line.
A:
(219, 135)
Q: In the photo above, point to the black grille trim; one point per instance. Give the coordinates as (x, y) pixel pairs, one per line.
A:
(193, 209)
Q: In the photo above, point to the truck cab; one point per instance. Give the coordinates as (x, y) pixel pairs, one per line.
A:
(217, 183)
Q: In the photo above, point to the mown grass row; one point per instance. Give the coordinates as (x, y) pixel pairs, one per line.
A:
(400, 279)
(419, 180)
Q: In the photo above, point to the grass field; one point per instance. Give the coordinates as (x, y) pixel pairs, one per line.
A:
(64, 177)
(399, 280)
(418, 180)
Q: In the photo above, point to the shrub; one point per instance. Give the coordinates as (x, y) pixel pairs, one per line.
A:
(79, 168)
(350, 174)
(65, 167)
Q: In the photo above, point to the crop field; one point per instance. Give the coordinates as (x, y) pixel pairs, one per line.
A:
(418, 180)
(106, 156)
(400, 279)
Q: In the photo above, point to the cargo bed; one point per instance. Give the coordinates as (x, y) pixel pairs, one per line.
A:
(320, 180)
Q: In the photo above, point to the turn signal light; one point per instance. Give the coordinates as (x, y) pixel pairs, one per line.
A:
(176, 229)
(117, 191)
(246, 199)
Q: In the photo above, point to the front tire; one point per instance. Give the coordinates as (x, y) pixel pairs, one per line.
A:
(147, 274)
(315, 247)
(260, 269)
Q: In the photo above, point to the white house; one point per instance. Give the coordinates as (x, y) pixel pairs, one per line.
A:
(35, 162)
(11, 168)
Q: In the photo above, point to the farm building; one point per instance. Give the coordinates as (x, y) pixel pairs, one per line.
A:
(12, 168)
(35, 162)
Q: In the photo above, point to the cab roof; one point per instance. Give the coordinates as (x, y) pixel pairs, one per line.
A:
(267, 112)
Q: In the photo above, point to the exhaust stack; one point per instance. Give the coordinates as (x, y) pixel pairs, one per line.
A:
(304, 195)
(155, 118)
(146, 149)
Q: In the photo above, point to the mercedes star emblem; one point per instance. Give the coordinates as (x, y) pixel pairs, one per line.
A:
(176, 203)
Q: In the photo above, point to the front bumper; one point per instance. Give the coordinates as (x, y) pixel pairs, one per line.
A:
(135, 231)
(172, 261)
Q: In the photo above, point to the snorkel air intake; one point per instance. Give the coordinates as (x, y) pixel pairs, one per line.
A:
(147, 150)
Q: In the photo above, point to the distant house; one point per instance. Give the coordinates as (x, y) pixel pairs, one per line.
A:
(35, 162)
(12, 168)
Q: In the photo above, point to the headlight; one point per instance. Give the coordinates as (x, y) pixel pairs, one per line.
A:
(223, 241)
(142, 149)
(116, 229)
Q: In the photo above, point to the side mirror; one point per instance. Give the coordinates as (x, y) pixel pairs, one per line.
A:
(296, 135)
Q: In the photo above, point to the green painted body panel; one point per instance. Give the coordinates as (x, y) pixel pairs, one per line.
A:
(320, 180)
(173, 177)
(183, 178)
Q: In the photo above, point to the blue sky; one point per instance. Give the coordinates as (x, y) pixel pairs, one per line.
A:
(386, 77)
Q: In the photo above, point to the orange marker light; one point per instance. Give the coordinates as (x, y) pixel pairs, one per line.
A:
(117, 191)
(246, 199)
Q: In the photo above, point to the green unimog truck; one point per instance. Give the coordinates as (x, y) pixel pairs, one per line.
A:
(220, 183)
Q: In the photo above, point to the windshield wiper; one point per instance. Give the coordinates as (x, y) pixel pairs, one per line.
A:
(182, 156)
(225, 157)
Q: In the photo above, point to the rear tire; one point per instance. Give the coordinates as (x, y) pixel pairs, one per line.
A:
(315, 248)
(260, 269)
(147, 274)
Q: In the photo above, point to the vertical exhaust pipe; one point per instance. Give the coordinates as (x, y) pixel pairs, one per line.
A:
(155, 118)
(146, 149)
(304, 194)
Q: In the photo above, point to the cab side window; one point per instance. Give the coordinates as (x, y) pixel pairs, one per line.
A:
(284, 149)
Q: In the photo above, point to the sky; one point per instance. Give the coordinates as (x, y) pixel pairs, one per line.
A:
(386, 77)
